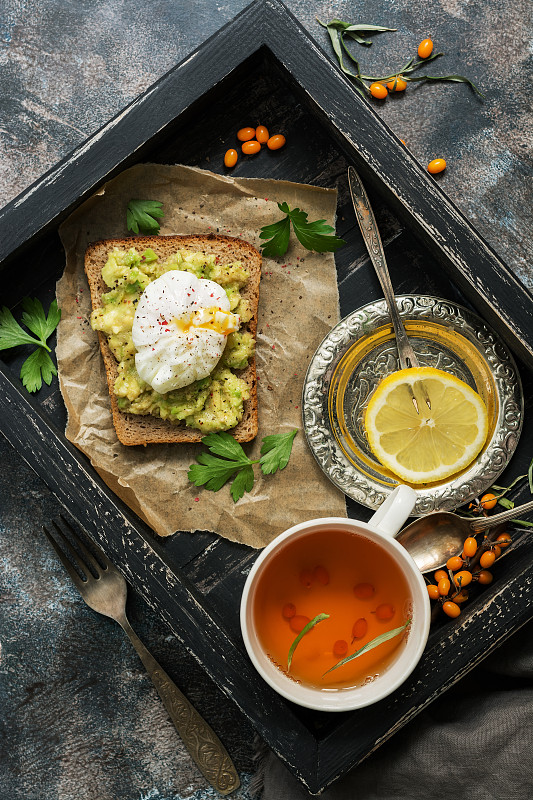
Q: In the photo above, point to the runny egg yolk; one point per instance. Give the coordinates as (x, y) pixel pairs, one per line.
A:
(212, 319)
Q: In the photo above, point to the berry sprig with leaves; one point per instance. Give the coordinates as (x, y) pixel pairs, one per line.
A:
(38, 367)
(227, 460)
(340, 31)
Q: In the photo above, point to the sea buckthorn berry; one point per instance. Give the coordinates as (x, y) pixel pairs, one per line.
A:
(485, 577)
(245, 134)
(288, 611)
(261, 134)
(385, 611)
(378, 91)
(306, 578)
(276, 142)
(433, 591)
(454, 563)
(461, 597)
(444, 586)
(425, 48)
(470, 547)
(437, 165)
(298, 623)
(230, 158)
(360, 627)
(496, 549)
(451, 609)
(504, 540)
(462, 579)
(487, 559)
(364, 591)
(488, 501)
(250, 148)
(340, 648)
(403, 142)
(440, 574)
(321, 575)
(397, 85)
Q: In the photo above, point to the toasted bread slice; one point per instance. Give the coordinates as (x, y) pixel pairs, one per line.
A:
(133, 429)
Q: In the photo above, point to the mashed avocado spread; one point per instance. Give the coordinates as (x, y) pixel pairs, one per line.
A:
(214, 403)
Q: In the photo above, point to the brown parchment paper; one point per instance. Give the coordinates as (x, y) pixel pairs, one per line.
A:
(298, 305)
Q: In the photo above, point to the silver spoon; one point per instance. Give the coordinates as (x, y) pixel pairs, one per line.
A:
(370, 231)
(433, 539)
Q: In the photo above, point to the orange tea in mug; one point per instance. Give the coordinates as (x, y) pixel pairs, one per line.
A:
(348, 577)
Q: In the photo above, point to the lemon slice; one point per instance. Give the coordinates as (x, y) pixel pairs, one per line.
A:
(435, 443)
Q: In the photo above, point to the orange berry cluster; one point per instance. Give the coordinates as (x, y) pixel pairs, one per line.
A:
(472, 566)
(252, 139)
(397, 84)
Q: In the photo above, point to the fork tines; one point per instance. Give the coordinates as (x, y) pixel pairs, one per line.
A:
(84, 560)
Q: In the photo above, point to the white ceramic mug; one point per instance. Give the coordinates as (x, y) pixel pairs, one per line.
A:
(381, 529)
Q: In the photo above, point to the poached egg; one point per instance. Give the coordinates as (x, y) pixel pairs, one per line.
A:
(180, 330)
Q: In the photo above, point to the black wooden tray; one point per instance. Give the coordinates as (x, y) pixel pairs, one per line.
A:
(263, 67)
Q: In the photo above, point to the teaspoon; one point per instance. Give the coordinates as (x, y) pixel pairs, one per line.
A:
(369, 229)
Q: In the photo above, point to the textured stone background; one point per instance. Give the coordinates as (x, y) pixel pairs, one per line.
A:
(79, 716)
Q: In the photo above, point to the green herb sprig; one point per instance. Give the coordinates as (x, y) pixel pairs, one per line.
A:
(142, 216)
(227, 460)
(310, 625)
(317, 236)
(384, 637)
(339, 31)
(38, 367)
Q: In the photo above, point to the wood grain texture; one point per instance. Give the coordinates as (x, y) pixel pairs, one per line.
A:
(326, 125)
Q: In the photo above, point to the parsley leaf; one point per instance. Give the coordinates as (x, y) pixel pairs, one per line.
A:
(276, 451)
(11, 334)
(227, 460)
(279, 234)
(317, 236)
(142, 216)
(38, 366)
(244, 481)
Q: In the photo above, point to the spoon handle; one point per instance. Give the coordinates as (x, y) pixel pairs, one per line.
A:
(369, 229)
(488, 522)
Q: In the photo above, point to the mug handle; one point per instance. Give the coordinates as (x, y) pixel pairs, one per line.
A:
(393, 512)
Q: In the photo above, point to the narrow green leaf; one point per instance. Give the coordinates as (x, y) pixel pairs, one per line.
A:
(503, 501)
(244, 481)
(522, 522)
(308, 627)
(414, 65)
(451, 78)
(384, 637)
(530, 476)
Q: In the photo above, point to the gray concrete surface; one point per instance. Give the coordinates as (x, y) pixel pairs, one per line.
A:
(79, 717)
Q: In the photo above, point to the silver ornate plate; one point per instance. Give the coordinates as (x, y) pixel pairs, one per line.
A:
(360, 351)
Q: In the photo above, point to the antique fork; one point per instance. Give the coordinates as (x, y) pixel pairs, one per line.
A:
(104, 590)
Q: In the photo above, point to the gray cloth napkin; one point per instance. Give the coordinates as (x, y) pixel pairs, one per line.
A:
(475, 742)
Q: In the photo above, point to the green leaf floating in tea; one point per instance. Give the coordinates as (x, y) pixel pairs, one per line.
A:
(384, 637)
(308, 627)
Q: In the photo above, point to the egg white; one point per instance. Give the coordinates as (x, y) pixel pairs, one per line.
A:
(180, 330)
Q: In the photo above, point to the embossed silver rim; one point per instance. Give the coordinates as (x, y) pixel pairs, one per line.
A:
(371, 492)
